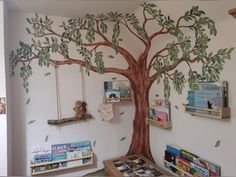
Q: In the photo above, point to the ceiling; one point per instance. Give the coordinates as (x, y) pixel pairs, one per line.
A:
(72, 8)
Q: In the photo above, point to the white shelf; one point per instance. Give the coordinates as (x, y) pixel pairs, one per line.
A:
(62, 168)
(222, 113)
(60, 161)
(32, 166)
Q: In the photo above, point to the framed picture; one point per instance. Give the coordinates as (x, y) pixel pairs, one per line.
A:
(2, 105)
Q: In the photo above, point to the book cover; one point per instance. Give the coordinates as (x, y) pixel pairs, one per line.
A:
(183, 164)
(173, 149)
(116, 91)
(197, 170)
(41, 158)
(214, 170)
(189, 156)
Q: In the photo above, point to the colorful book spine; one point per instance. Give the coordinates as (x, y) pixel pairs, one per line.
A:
(197, 170)
(189, 156)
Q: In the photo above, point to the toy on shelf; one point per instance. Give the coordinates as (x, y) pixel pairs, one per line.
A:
(63, 156)
(184, 163)
(159, 114)
(117, 91)
(80, 114)
(209, 99)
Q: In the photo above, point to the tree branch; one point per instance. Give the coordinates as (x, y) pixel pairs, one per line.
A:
(127, 26)
(127, 56)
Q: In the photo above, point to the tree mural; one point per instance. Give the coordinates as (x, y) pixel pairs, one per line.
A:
(190, 35)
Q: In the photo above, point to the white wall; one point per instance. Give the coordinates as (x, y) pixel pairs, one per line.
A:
(3, 118)
(197, 135)
(26, 137)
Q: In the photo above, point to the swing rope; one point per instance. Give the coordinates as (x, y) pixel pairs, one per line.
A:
(83, 89)
(58, 95)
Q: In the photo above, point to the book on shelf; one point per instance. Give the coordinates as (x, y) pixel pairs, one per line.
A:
(189, 163)
(159, 111)
(41, 158)
(188, 156)
(116, 91)
(183, 164)
(209, 95)
(197, 170)
(173, 149)
(214, 170)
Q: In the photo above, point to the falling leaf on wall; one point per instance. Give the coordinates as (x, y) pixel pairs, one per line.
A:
(114, 78)
(47, 74)
(110, 56)
(32, 121)
(123, 138)
(28, 101)
(217, 143)
(157, 95)
(122, 113)
(46, 138)
(120, 39)
(94, 143)
(176, 107)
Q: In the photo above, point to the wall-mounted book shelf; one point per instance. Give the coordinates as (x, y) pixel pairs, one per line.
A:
(183, 173)
(165, 125)
(159, 114)
(221, 113)
(54, 166)
(209, 99)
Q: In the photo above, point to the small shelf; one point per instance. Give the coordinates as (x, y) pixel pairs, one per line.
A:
(61, 168)
(177, 168)
(33, 166)
(60, 161)
(222, 113)
(166, 125)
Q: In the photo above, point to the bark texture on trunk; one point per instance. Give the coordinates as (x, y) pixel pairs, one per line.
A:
(140, 143)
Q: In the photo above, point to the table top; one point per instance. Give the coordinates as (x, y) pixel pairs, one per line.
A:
(133, 165)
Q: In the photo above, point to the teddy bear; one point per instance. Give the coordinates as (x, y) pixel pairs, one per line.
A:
(80, 109)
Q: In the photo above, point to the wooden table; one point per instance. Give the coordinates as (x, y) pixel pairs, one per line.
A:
(133, 166)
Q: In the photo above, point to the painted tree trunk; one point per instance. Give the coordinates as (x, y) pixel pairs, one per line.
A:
(140, 143)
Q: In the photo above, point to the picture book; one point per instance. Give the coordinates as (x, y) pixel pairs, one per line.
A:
(189, 156)
(214, 170)
(197, 170)
(183, 164)
(159, 110)
(116, 91)
(41, 158)
(173, 149)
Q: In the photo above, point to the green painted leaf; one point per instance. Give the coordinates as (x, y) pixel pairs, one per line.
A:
(47, 74)
(94, 143)
(122, 113)
(46, 138)
(176, 107)
(31, 122)
(217, 143)
(111, 56)
(28, 101)
(123, 138)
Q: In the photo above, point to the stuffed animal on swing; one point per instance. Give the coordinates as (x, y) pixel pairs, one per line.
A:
(80, 109)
